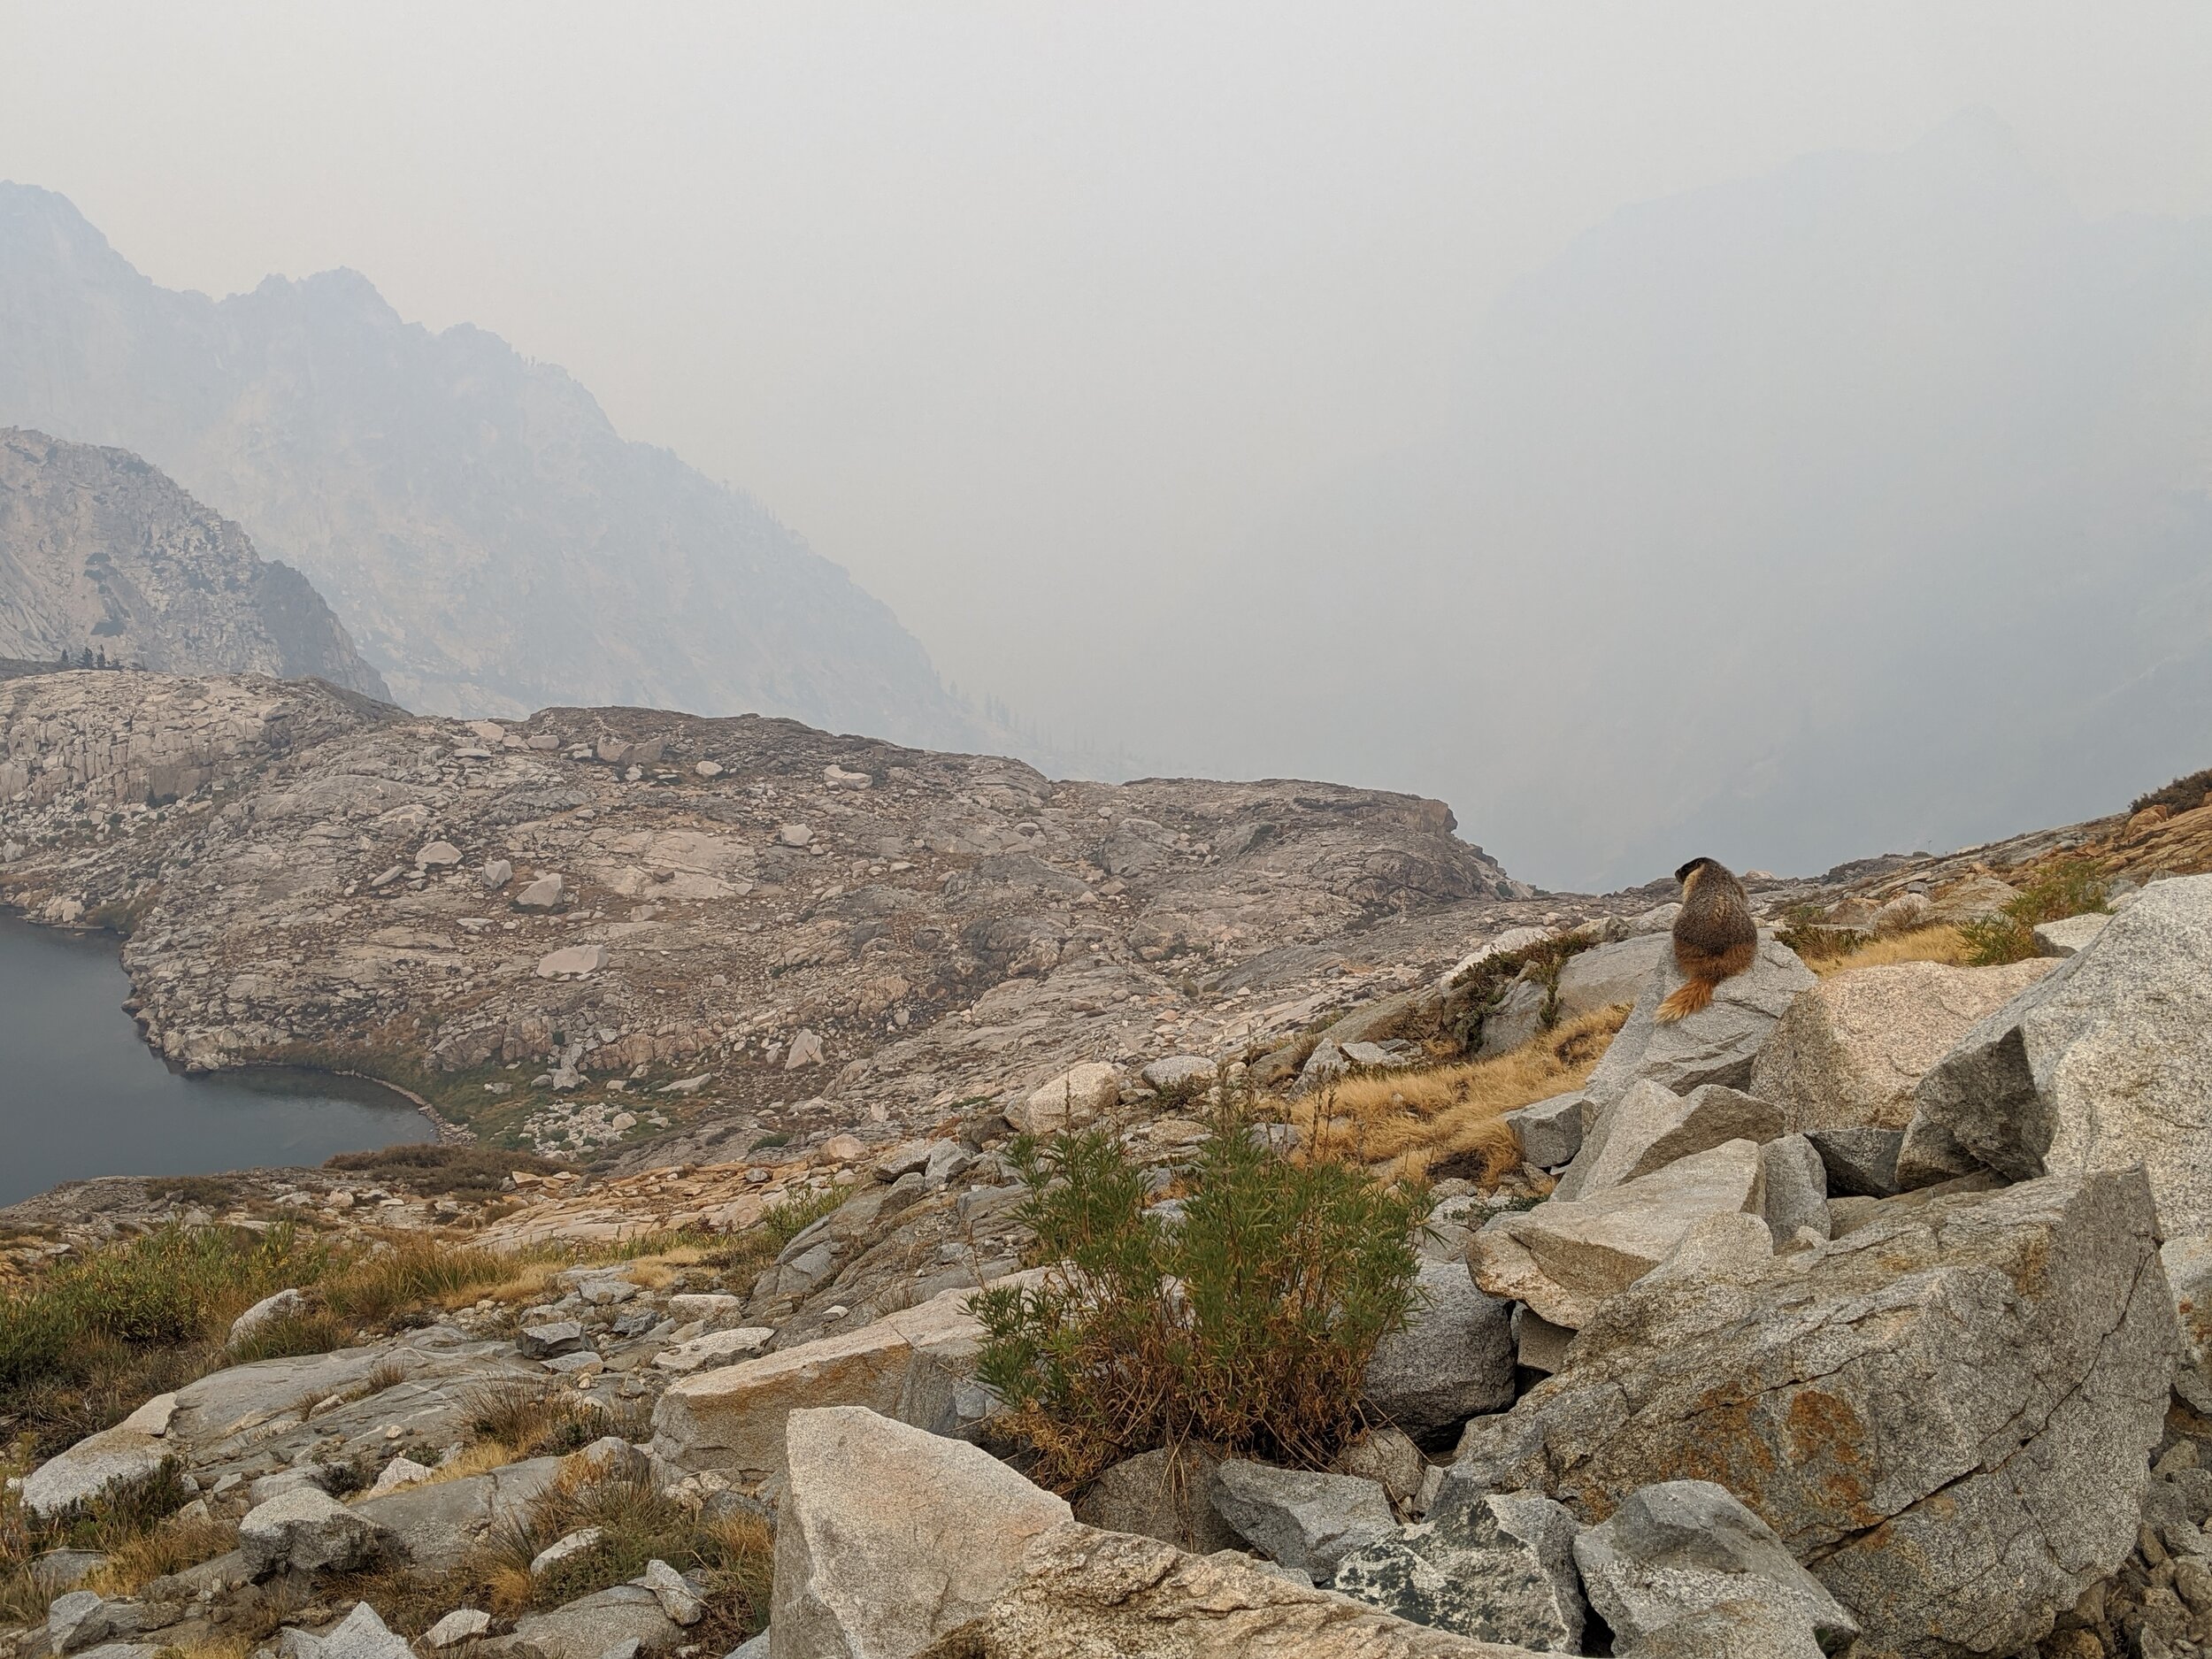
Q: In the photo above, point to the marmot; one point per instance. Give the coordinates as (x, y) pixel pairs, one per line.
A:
(1714, 938)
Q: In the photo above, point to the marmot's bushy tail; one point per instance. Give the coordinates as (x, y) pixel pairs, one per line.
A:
(1694, 995)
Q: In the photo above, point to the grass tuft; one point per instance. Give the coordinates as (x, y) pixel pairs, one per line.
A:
(1443, 1121)
(1942, 944)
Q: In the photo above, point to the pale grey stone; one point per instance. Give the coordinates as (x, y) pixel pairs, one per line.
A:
(134, 1450)
(281, 1305)
(2069, 935)
(1683, 1547)
(84, 1619)
(1849, 1052)
(436, 1525)
(361, 1634)
(1794, 1185)
(1454, 1359)
(572, 959)
(561, 1549)
(1950, 1411)
(541, 894)
(2105, 1062)
(1565, 1259)
(1326, 1063)
(1549, 1132)
(1650, 1127)
(1178, 1070)
(298, 1477)
(309, 1530)
(888, 1536)
(1717, 1045)
(464, 1624)
(1609, 975)
(1299, 1516)
(679, 1597)
(593, 1625)
(1498, 1567)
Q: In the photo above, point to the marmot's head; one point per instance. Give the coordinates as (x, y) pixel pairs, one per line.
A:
(1688, 874)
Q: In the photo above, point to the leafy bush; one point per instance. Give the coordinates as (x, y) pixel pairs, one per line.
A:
(2071, 886)
(1478, 990)
(1248, 1323)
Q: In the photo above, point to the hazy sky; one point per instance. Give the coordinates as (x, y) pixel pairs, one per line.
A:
(1024, 312)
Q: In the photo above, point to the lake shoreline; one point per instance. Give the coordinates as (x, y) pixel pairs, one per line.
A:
(87, 1096)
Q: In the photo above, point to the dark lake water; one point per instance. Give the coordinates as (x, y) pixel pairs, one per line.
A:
(80, 1094)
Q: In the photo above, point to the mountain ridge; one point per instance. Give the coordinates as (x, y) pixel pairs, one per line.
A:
(492, 542)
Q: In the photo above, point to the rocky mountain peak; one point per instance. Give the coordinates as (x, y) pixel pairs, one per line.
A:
(101, 553)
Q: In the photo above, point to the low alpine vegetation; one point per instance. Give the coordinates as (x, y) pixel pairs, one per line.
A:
(2069, 887)
(1247, 1321)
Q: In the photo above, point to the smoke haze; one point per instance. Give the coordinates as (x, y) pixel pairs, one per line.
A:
(1777, 431)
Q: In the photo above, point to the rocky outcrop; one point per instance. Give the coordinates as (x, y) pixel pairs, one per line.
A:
(1947, 1414)
(99, 553)
(731, 1420)
(1718, 1044)
(889, 1538)
(1680, 1549)
(707, 926)
(1566, 1259)
(1496, 1566)
(1849, 1052)
(1082, 1592)
(2105, 1062)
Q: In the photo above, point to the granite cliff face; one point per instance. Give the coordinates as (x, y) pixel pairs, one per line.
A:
(101, 552)
(489, 541)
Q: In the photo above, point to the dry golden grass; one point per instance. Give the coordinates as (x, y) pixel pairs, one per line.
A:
(170, 1546)
(1445, 1121)
(480, 1457)
(235, 1645)
(1942, 943)
(527, 1284)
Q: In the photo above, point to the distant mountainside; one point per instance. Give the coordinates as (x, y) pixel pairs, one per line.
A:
(1867, 503)
(490, 541)
(99, 552)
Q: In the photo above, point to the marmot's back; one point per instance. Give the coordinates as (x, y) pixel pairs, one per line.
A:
(1715, 936)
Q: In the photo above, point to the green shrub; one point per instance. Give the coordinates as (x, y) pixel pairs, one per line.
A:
(1477, 992)
(788, 1220)
(435, 1169)
(1247, 1324)
(2072, 886)
(174, 1286)
(2183, 794)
